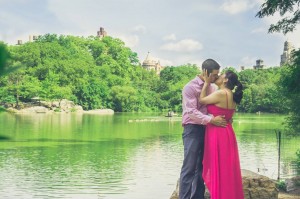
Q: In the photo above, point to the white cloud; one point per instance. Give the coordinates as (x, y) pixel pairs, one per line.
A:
(68, 17)
(185, 45)
(236, 6)
(140, 29)
(131, 41)
(165, 62)
(198, 62)
(141, 32)
(171, 37)
(248, 62)
(162, 61)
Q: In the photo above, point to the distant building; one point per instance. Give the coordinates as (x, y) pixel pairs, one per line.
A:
(150, 64)
(101, 33)
(19, 42)
(32, 38)
(242, 67)
(285, 58)
(259, 64)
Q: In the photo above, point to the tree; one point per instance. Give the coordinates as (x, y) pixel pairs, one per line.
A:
(290, 76)
(124, 98)
(92, 93)
(4, 55)
(229, 69)
(5, 60)
(261, 91)
(172, 80)
(290, 89)
(287, 24)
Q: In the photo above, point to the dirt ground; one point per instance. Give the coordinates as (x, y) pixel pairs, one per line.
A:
(291, 195)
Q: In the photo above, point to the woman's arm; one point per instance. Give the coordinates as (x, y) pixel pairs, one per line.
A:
(213, 98)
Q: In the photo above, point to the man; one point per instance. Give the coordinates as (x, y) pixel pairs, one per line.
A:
(194, 119)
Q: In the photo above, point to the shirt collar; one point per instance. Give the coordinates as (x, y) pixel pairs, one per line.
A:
(199, 80)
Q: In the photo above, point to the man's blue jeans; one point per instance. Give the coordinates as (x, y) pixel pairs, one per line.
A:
(191, 181)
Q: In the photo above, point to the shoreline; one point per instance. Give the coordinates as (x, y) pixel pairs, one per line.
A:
(45, 110)
(50, 107)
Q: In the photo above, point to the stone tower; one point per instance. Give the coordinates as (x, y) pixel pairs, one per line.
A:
(259, 64)
(101, 33)
(285, 58)
(150, 64)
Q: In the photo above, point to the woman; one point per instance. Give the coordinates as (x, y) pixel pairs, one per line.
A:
(221, 165)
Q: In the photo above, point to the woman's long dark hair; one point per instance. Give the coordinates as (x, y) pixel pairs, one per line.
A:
(234, 84)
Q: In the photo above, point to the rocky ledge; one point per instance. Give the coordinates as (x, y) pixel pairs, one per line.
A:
(255, 187)
(63, 106)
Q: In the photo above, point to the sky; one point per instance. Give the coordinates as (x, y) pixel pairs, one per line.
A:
(175, 32)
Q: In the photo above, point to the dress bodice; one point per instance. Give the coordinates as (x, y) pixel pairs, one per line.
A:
(215, 111)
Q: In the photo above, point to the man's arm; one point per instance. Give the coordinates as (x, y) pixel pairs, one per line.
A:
(189, 103)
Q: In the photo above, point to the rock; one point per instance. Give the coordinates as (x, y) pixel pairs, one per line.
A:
(101, 111)
(176, 192)
(62, 106)
(258, 186)
(11, 110)
(292, 184)
(35, 109)
(255, 186)
(78, 109)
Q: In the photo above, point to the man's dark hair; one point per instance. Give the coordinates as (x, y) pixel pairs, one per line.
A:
(210, 65)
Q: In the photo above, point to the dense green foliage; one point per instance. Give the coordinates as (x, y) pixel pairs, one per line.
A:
(261, 93)
(105, 73)
(93, 73)
(289, 88)
(290, 76)
(4, 58)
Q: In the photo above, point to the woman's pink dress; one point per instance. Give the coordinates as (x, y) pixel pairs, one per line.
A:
(221, 164)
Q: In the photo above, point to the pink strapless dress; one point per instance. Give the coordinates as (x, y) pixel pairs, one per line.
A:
(221, 164)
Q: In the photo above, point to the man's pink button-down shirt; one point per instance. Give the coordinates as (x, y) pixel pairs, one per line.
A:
(192, 111)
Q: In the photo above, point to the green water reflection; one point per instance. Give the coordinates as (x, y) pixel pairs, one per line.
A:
(119, 156)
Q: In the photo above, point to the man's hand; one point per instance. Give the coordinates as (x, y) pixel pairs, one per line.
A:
(219, 121)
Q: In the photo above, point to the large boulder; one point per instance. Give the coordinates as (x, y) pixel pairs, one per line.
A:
(292, 184)
(258, 186)
(30, 110)
(255, 187)
(101, 111)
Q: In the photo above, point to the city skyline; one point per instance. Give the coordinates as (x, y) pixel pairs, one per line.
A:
(174, 32)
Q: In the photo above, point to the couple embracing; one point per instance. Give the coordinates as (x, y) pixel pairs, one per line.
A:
(210, 147)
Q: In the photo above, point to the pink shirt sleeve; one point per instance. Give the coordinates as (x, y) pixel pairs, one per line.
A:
(190, 105)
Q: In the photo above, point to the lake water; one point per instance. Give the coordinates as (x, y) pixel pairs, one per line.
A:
(121, 156)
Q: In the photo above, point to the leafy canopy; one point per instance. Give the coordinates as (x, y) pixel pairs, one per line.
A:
(284, 7)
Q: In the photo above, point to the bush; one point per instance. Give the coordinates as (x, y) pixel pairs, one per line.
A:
(281, 185)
